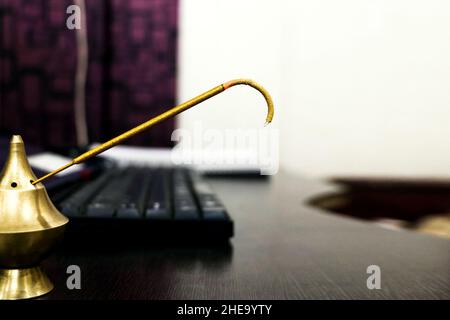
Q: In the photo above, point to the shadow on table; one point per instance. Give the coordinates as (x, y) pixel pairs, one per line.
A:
(422, 205)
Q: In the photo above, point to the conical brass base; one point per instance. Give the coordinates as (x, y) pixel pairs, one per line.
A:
(28, 283)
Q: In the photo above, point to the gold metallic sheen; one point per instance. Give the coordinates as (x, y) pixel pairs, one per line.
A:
(23, 283)
(164, 116)
(261, 89)
(30, 226)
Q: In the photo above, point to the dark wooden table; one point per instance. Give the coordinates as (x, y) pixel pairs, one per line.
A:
(282, 249)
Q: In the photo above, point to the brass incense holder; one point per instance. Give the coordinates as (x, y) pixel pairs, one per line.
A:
(30, 225)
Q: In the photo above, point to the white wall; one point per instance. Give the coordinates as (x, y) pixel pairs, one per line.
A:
(361, 87)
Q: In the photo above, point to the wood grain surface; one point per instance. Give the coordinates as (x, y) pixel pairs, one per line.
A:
(282, 249)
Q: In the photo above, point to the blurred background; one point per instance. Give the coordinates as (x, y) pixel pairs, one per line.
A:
(361, 87)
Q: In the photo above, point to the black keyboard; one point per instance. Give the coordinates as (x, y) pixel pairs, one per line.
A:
(162, 204)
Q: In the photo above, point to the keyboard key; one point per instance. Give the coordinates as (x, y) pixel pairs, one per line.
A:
(105, 203)
(212, 208)
(158, 201)
(131, 204)
(75, 204)
(184, 203)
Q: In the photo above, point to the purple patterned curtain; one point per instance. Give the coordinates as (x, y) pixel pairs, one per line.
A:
(131, 77)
